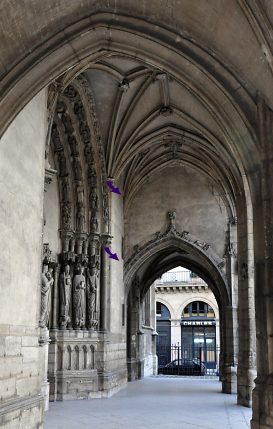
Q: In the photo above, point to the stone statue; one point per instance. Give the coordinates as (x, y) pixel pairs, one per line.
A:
(85, 132)
(47, 282)
(172, 217)
(73, 145)
(56, 138)
(105, 207)
(80, 219)
(70, 92)
(62, 164)
(79, 286)
(79, 110)
(65, 296)
(77, 169)
(91, 294)
(80, 195)
(93, 222)
(66, 215)
(92, 176)
(93, 200)
(68, 127)
(65, 190)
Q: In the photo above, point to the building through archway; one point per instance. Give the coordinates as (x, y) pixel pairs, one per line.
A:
(187, 320)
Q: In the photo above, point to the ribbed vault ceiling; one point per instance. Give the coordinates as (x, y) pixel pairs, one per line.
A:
(151, 120)
(175, 82)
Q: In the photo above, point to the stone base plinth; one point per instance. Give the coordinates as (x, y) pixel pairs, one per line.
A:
(262, 404)
(135, 369)
(245, 386)
(85, 364)
(229, 379)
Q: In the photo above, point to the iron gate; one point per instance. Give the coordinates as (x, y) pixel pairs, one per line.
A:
(188, 360)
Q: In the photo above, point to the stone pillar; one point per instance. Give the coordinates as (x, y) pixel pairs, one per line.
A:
(104, 284)
(153, 324)
(263, 258)
(134, 334)
(44, 341)
(247, 331)
(229, 352)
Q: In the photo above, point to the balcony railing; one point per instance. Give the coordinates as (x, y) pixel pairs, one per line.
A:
(181, 277)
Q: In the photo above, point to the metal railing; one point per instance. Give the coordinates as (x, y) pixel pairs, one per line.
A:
(188, 360)
(181, 276)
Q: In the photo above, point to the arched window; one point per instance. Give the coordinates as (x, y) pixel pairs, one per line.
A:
(162, 311)
(198, 309)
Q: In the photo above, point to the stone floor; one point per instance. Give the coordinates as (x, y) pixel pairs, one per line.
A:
(154, 403)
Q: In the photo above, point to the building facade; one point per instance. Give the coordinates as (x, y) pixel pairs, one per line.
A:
(187, 317)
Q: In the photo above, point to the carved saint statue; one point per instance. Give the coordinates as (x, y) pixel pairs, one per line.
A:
(93, 222)
(79, 286)
(73, 145)
(92, 176)
(65, 296)
(80, 194)
(93, 197)
(70, 92)
(105, 207)
(68, 127)
(65, 190)
(77, 169)
(80, 219)
(85, 132)
(172, 217)
(79, 110)
(62, 164)
(47, 282)
(66, 215)
(91, 293)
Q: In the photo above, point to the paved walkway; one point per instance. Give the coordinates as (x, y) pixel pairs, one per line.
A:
(154, 403)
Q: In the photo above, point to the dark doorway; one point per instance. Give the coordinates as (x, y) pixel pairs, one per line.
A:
(163, 327)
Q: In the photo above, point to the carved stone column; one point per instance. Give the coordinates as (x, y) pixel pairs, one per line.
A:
(263, 257)
(229, 353)
(43, 353)
(247, 331)
(104, 285)
(134, 334)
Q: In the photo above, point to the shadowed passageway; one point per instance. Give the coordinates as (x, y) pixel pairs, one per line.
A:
(154, 403)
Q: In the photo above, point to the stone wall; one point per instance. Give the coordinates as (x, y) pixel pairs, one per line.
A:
(21, 194)
(190, 195)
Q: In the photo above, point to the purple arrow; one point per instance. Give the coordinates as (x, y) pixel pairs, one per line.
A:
(113, 188)
(112, 255)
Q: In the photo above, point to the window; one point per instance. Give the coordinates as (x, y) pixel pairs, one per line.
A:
(162, 311)
(198, 309)
(158, 309)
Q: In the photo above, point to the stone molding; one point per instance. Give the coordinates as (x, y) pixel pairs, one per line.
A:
(21, 403)
(181, 288)
(184, 238)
